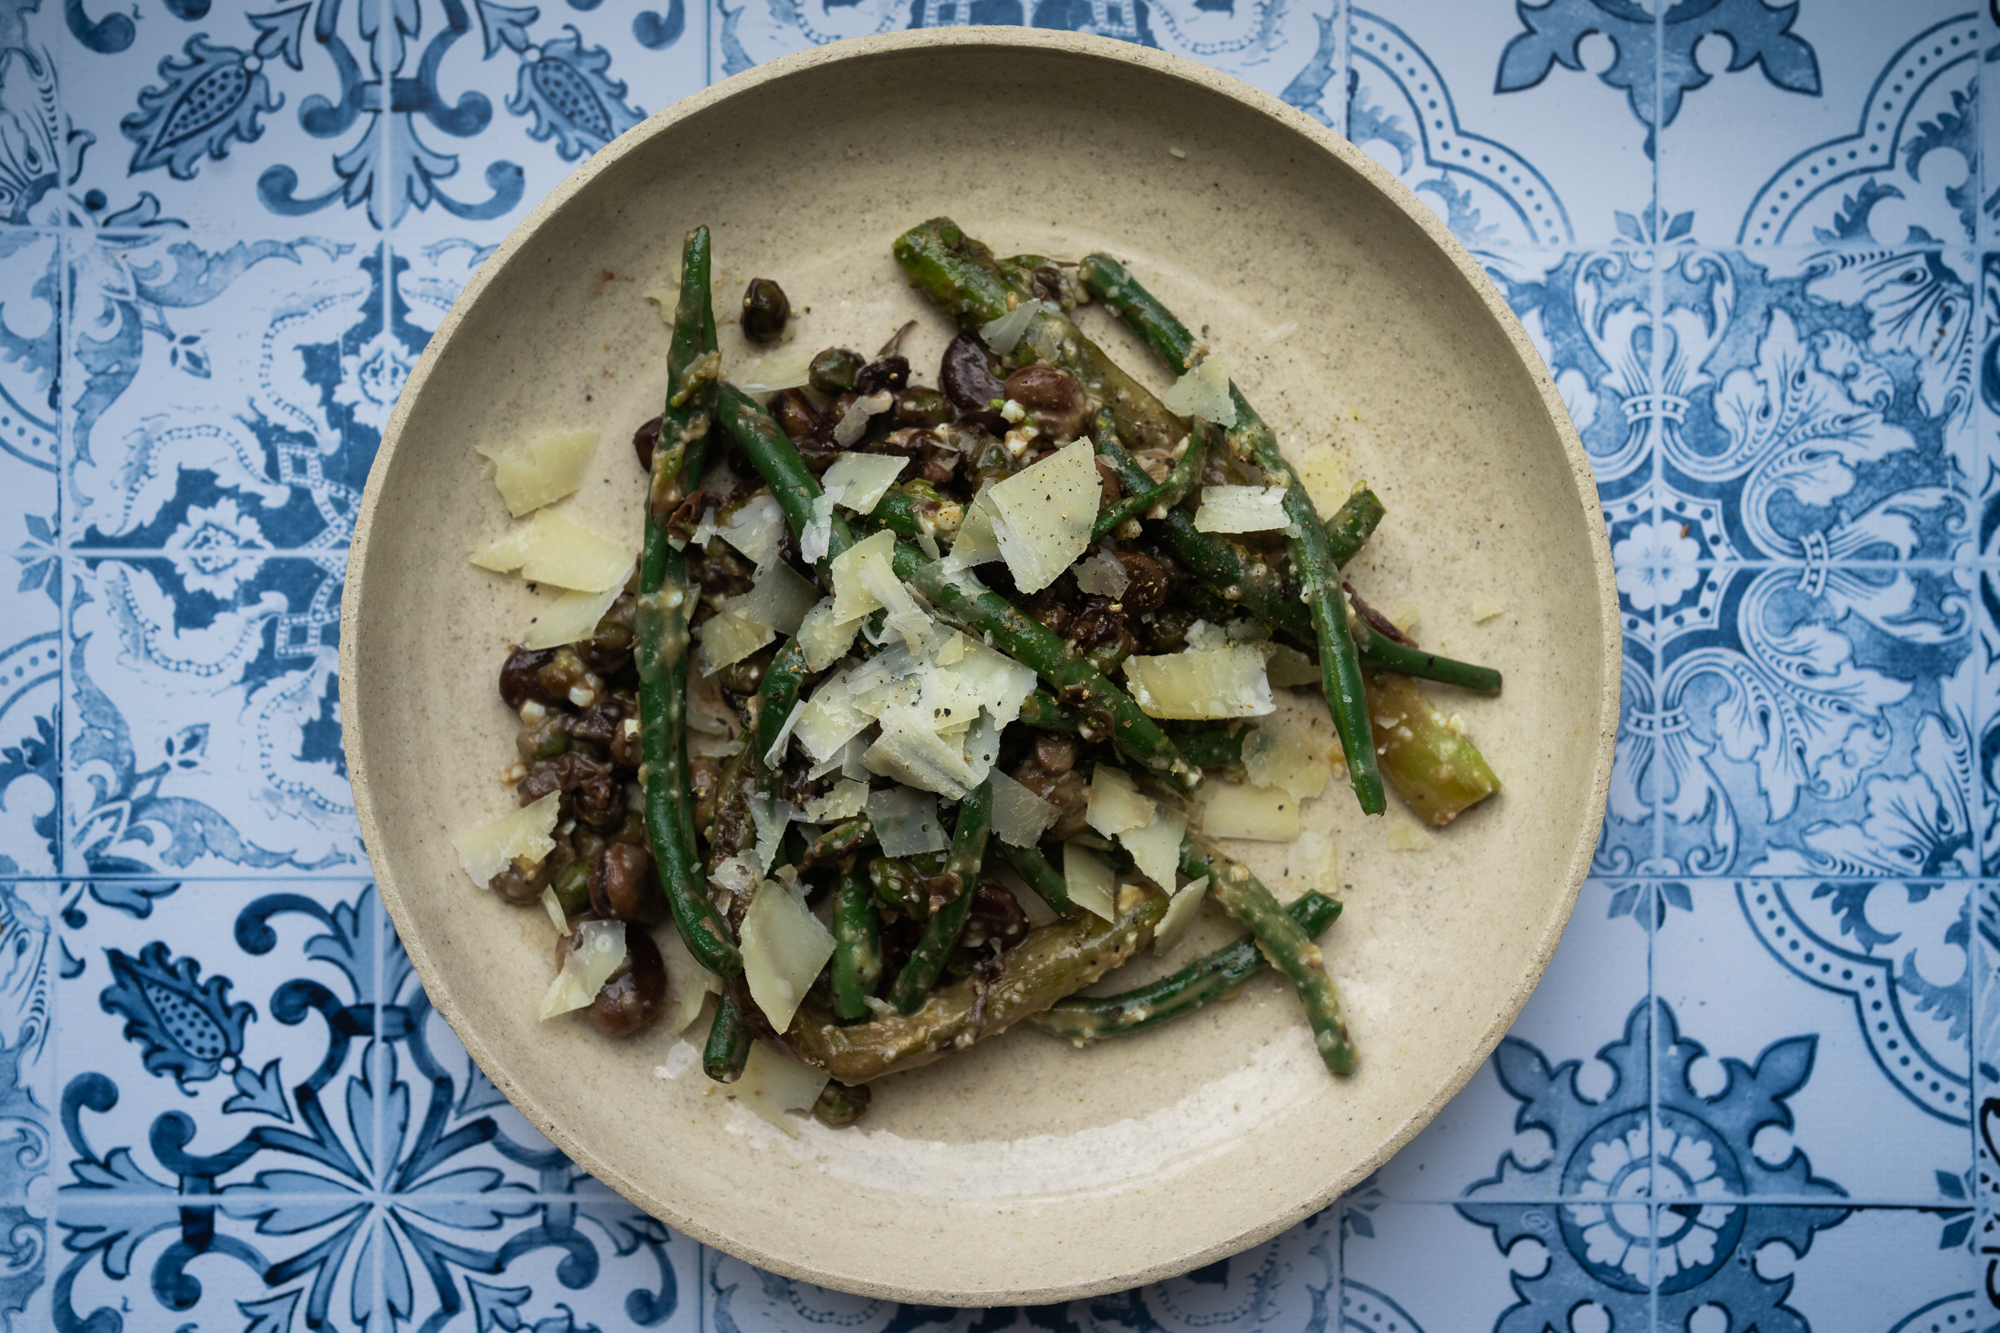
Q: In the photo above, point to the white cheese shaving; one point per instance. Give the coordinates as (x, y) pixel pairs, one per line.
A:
(1088, 879)
(570, 617)
(906, 822)
(548, 548)
(774, 754)
(1484, 610)
(754, 527)
(779, 598)
(737, 875)
(1405, 836)
(688, 982)
(729, 636)
(817, 539)
(910, 752)
(784, 947)
(598, 952)
(1228, 682)
(845, 801)
(853, 423)
(1203, 392)
(1019, 816)
(787, 367)
(1182, 911)
(1286, 752)
(1261, 814)
(857, 570)
(1004, 334)
(770, 814)
(1287, 666)
(1103, 575)
(536, 472)
(861, 480)
(1326, 480)
(773, 1084)
(1241, 509)
(975, 543)
(553, 906)
(823, 639)
(1156, 846)
(1115, 803)
(828, 720)
(518, 835)
(1044, 514)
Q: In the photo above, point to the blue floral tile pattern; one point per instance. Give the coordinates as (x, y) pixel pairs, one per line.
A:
(1758, 244)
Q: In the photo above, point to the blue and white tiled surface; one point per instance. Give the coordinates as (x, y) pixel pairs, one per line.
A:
(1760, 247)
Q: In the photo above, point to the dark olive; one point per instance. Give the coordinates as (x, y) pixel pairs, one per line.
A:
(519, 681)
(1053, 396)
(921, 406)
(544, 739)
(1147, 583)
(797, 416)
(623, 886)
(1057, 754)
(1109, 492)
(642, 442)
(969, 375)
(765, 310)
(1069, 794)
(995, 915)
(599, 796)
(839, 1105)
(572, 886)
(636, 992)
(890, 373)
(832, 372)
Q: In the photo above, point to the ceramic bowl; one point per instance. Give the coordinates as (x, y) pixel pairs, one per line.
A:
(1023, 1170)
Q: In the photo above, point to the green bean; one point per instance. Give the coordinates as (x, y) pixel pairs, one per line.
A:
(947, 923)
(783, 680)
(1312, 554)
(1240, 894)
(728, 1045)
(1043, 878)
(1379, 652)
(899, 886)
(1210, 744)
(772, 453)
(839, 842)
(1092, 1018)
(1352, 525)
(1155, 499)
(660, 622)
(1053, 961)
(1041, 711)
(1437, 771)
(572, 885)
(857, 946)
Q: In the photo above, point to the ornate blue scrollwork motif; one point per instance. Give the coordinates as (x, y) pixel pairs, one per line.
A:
(1661, 1182)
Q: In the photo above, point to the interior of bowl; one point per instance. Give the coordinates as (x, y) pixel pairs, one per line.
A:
(1022, 1171)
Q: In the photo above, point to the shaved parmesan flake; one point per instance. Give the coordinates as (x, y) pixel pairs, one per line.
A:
(1182, 911)
(1019, 816)
(770, 814)
(853, 423)
(572, 616)
(1203, 392)
(1405, 836)
(1262, 814)
(1115, 803)
(1284, 752)
(1228, 682)
(1287, 667)
(987, 678)
(518, 835)
(1103, 575)
(548, 548)
(780, 598)
(823, 639)
(1405, 616)
(754, 527)
(828, 720)
(729, 636)
(1088, 879)
(688, 982)
(537, 472)
(857, 571)
(910, 752)
(906, 822)
(975, 543)
(1326, 480)
(843, 802)
(1004, 334)
(1484, 610)
(817, 539)
(861, 480)
(1241, 509)
(1045, 512)
(784, 947)
(774, 754)
(1312, 863)
(737, 876)
(1156, 846)
(553, 906)
(599, 951)
(773, 1084)
(785, 368)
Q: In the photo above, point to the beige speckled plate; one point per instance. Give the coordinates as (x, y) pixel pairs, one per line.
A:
(1022, 1170)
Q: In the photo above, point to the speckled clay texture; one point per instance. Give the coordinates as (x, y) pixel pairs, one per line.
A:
(1022, 1171)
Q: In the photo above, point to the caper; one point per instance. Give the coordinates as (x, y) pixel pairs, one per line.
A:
(920, 406)
(832, 372)
(840, 1106)
(765, 311)
(572, 886)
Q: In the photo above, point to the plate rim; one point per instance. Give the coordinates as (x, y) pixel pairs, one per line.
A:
(1040, 41)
